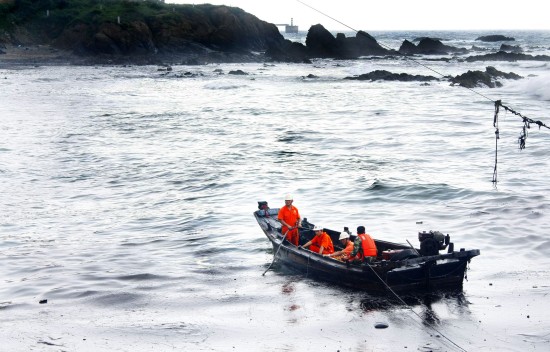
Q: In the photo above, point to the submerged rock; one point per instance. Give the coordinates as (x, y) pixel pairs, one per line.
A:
(238, 73)
(494, 38)
(504, 56)
(383, 75)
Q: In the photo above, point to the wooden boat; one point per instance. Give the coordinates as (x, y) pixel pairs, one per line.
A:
(398, 267)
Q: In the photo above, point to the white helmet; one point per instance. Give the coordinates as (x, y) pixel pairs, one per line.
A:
(317, 228)
(343, 235)
(289, 197)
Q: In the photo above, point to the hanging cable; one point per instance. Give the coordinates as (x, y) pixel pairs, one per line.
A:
(497, 136)
(522, 136)
(526, 124)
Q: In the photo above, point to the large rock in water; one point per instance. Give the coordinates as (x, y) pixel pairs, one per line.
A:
(320, 43)
(429, 46)
(472, 79)
(505, 56)
(494, 38)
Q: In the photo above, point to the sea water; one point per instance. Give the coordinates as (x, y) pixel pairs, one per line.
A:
(128, 193)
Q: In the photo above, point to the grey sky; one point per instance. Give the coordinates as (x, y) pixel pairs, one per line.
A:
(399, 14)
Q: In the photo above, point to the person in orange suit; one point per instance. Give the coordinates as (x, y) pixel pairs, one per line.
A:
(321, 243)
(364, 248)
(289, 217)
(344, 253)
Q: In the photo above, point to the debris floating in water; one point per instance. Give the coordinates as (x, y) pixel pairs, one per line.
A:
(380, 325)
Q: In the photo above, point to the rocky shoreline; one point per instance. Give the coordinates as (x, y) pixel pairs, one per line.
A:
(47, 55)
(35, 55)
(196, 35)
(206, 34)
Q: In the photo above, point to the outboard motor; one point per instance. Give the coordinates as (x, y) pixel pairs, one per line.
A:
(263, 208)
(306, 225)
(306, 231)
(432, 242)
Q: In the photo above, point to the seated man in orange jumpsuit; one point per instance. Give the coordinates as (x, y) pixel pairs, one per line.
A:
(289, 217)
(364, 248)
(348, 248)
(321, 243)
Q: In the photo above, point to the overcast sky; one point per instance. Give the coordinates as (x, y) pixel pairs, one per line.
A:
(399, 14)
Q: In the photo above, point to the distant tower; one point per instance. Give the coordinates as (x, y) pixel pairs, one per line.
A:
(292, 28)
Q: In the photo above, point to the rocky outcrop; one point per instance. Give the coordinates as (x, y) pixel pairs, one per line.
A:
(383, 75)
(408, 48)
(495, 38)
(320, 43)
(429, 46)
(417, 39)
(472, 79)
(288, 51)
(504, 56)
(511, 48)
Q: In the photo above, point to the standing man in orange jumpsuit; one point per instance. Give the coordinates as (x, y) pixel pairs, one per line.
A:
(290, 219)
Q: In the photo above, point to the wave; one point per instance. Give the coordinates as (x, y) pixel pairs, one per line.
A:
(224, 86)
(539, 86)
(416, 192)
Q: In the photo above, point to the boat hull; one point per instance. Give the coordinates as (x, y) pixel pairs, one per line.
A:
(422, 273)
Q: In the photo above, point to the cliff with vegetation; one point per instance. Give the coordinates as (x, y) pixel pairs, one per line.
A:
(151, 31)
(136, 31)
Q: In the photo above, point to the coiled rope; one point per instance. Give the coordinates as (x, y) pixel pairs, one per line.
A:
(526, 121)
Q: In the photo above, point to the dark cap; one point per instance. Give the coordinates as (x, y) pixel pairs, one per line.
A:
(360, 229)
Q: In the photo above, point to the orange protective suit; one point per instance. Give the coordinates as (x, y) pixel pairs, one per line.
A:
(349, 248)
(368, 248)
(290, 216)
(322, 240)
(345, 252)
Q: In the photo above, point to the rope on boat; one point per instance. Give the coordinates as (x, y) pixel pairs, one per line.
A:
(412, 310)
(275, 255)
(526, 121)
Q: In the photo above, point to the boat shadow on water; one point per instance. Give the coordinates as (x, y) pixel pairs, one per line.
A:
(426, 307)
(424, 300)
